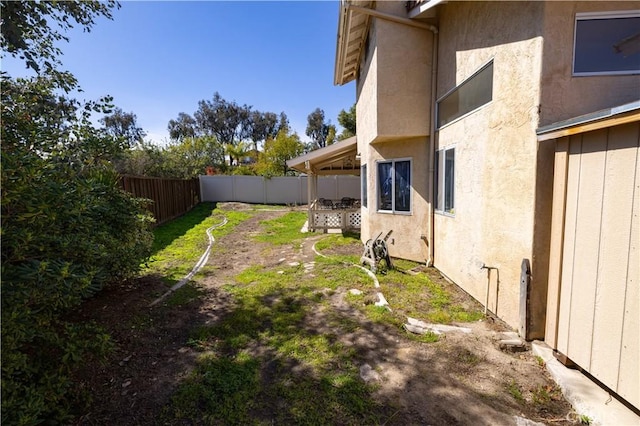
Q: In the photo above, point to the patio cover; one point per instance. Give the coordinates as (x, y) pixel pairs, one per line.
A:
(337, 159)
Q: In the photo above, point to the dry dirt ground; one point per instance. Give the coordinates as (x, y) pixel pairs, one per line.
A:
(461, 379)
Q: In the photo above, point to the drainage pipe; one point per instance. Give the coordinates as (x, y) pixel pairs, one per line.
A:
(432, 150)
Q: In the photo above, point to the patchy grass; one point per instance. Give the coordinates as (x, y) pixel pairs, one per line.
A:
(276, 356)
(345, 247)
(219, 388)
(409, 294)
(311, 377)
(284, 230)
(179, 244)
(419, 296)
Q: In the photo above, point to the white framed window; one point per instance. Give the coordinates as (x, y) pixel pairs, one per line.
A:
(465, 98)
(394, 185)
(363, 184)
(445, 180)
(607, 43)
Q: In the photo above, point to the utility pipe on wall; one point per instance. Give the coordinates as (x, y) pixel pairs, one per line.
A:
(486, 299)
(432, 149)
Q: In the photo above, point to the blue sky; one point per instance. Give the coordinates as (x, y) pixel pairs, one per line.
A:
(159, 58)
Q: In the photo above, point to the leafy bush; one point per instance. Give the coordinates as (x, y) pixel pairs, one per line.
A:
(67, 230)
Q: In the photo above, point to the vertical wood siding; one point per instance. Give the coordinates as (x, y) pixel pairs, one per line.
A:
(170, 198)
(599, 312)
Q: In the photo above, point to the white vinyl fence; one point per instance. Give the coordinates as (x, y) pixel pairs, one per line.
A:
(277, 190)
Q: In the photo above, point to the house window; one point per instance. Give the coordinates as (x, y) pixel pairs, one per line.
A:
(470, 95)
(394, 186)
(445, 180)
(607, 43)
(363, 184)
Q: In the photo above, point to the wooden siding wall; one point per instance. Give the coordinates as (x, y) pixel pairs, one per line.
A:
(598, 314)
(170, 197)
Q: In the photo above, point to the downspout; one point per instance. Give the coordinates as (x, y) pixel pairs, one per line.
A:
(432, 128)
(432, 148)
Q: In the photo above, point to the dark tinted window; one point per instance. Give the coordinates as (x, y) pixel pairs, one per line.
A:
(468, 96)
(609, 45)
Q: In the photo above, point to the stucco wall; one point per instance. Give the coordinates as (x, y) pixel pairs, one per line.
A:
(394, 89)
(367, 94)
(393, 113)
(405, 241)
(495, 148)
(404, 74)
(564, 96)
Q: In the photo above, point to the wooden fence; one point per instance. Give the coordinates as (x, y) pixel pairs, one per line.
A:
(171, 197)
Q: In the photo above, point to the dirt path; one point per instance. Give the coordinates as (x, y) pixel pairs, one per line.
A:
(461, 379)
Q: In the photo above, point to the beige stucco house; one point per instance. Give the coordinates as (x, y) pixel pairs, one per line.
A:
(499, 141)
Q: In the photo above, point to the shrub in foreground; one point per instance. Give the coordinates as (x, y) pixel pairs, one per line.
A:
(67, 231)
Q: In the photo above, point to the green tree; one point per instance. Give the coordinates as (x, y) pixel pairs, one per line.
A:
(236, 152)
(318, 129)
(347, 119)
(273, 162)
(182, 127)
(30, 29)
(226, 120)
(262, 125)
(123, 125)
(191, 157)
(184, 159)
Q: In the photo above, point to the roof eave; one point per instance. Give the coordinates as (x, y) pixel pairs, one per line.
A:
(313, 161)
(622, 114)
(352, 31)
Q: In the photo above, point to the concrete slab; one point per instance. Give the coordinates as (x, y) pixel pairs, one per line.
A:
(587, 398)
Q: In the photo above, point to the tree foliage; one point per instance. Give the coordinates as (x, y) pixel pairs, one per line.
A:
(67, 228)
(347, 120)
(184, 159)
(233, 126)
(262, 126)
(285, 146)
(182, 127)
(30, 29)
(319, 130)
(123, 126)
(226, 120)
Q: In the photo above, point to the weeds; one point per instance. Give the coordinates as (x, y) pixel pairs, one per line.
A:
(585, 420)
(514, 391)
